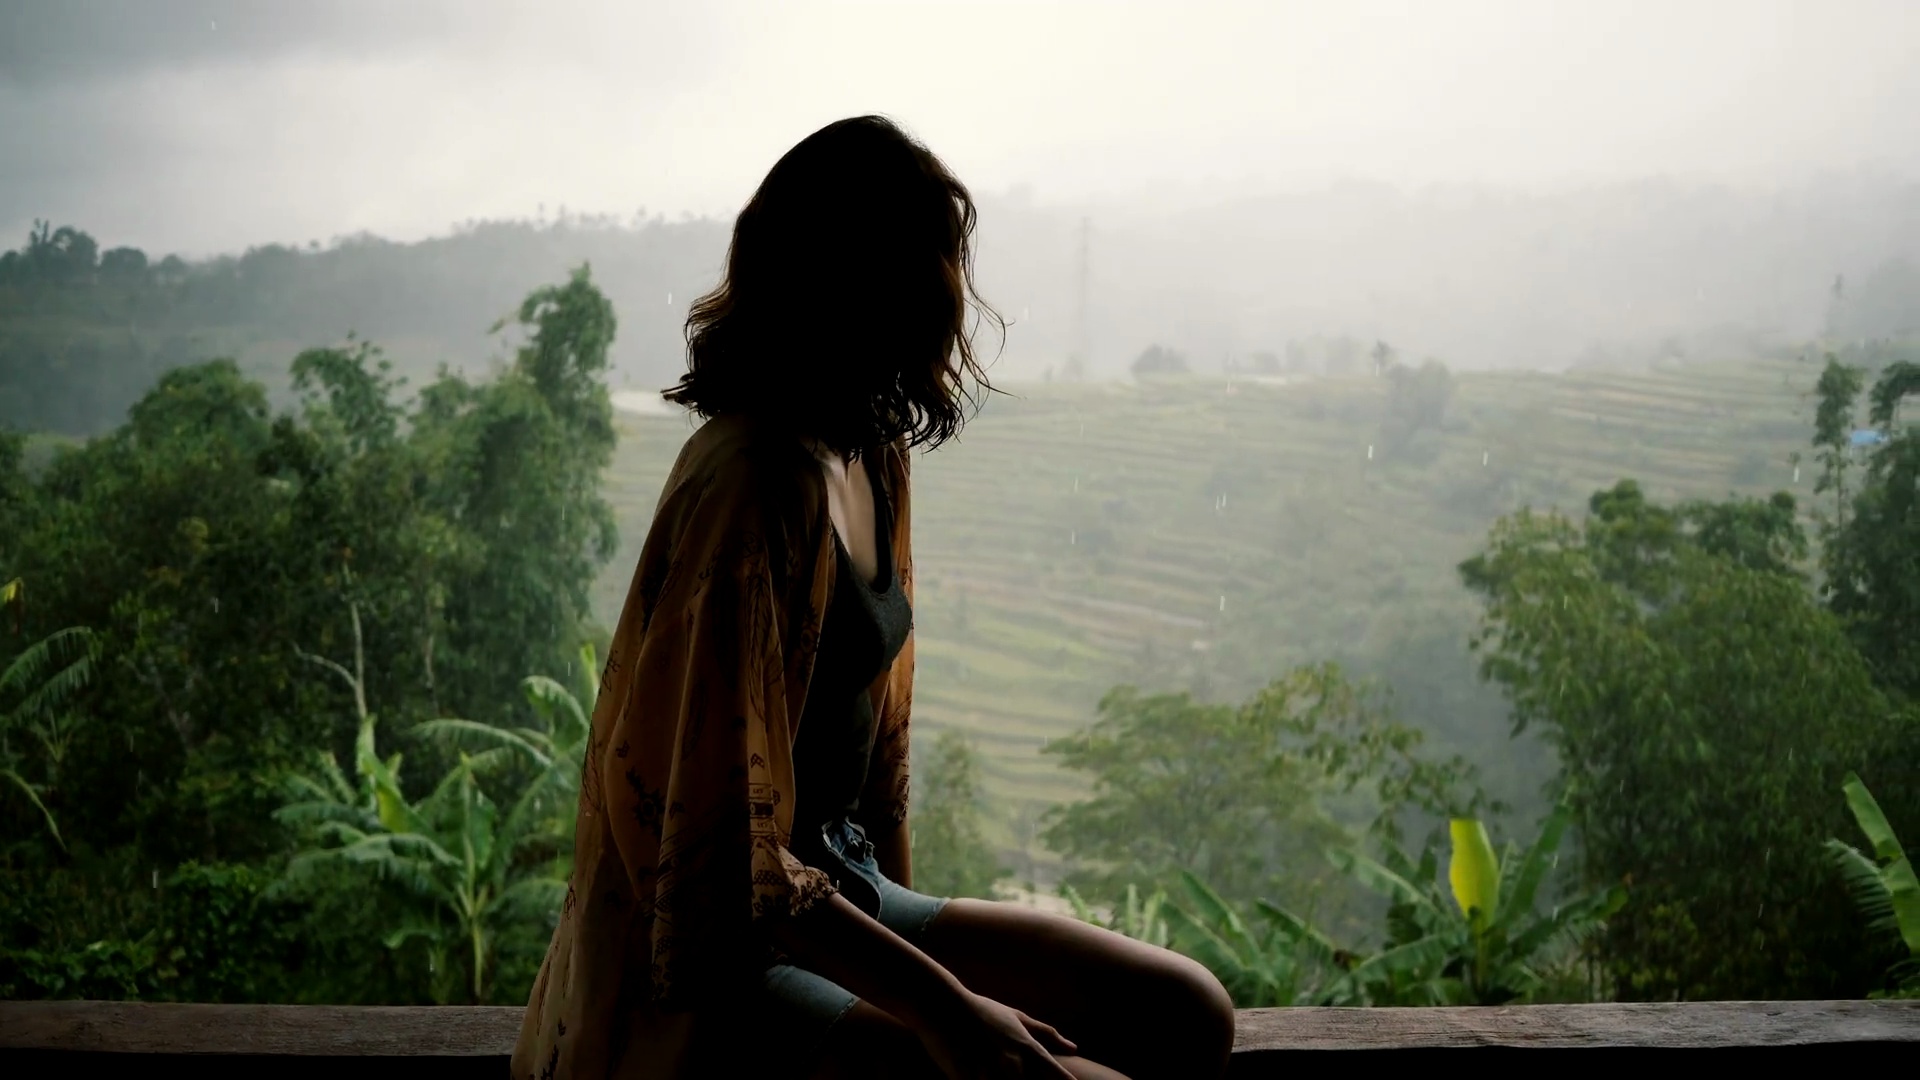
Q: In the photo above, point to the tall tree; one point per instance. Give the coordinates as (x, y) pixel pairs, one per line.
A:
(215, 546)
(1873, 556)
(951, 856)
(1702, 706)
(1235, 793)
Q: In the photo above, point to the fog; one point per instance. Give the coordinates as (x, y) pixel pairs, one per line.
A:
(1428, 423)
(1494, 184)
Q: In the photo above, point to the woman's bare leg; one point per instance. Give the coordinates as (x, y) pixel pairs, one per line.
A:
(1146, 1011)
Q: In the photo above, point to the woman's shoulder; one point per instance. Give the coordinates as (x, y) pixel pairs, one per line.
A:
(737, 460)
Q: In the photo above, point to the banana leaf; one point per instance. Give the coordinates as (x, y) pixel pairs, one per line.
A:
(1896, 869)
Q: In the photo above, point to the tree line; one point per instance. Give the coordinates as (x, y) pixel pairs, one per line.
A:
(294, 701)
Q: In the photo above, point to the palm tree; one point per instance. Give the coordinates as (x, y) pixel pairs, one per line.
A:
(40, 682)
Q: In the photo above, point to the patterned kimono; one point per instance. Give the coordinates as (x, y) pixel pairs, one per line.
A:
(687, 789)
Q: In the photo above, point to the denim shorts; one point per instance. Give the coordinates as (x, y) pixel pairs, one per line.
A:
(800, 1006)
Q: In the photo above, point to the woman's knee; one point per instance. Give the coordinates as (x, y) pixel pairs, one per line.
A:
(1196, 1005)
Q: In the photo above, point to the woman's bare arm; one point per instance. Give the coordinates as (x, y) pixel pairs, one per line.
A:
(965, 1034)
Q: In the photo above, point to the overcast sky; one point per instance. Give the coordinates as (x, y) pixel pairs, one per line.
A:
(183, 125)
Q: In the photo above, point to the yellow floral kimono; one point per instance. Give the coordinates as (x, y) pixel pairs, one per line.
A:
(687, 788)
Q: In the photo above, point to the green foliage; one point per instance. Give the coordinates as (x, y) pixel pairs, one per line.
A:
(411, 552)
(36, 689)
(456, 869)
(202, 933)
(1699, 698)
(1476, 936)
(1883, 884)
(1271, 960)
(1837, 391)
(1872, 556)
(1267, 960)
(1134, 917)
(1236, 794)
(216, 548)
(951, 857)
(106, 970)
(555, 751)
(225, 935)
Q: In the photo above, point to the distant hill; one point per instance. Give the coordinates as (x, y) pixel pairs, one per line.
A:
(1197, 534)
(84, 333)
(1620, 274)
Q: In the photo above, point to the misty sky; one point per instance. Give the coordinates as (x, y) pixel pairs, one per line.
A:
(192, 126)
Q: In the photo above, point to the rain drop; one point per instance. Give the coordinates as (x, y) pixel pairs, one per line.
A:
(1073, 537)
(156, 879)
(1483, 458)
(1223, 603)
(1369, 451)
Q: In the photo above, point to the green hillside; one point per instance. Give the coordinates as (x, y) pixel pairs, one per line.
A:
(1210, 535)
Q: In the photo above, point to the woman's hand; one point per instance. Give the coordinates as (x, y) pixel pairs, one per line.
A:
(982, 1039)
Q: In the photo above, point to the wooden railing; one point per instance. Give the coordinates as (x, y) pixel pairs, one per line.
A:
(63, 1040)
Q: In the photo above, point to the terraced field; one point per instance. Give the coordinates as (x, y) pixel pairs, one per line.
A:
(1210, 535)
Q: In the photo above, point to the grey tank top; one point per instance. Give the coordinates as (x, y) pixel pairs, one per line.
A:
(866, 625)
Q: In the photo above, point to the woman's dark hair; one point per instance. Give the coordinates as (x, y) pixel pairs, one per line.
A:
(843, 306)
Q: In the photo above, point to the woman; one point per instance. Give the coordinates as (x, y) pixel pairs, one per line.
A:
(741, 894)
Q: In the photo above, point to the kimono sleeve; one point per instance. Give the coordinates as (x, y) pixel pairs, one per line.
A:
(700, 767)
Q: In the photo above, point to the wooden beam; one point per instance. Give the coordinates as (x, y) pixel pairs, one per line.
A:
(1691, 1025)
(127, 1027)
(484, 1032)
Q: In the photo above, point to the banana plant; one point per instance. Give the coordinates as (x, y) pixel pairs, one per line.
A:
(40, 683)
(1884, 884)
(451, 859)
(556, 748)
(1479, 938)
(1142, 920)
(1273, 959)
